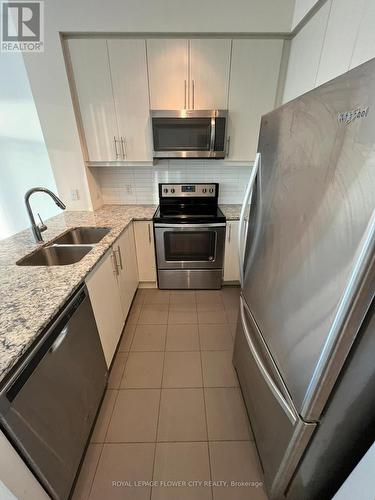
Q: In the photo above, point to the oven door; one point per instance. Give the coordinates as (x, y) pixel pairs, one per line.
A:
(190, 246)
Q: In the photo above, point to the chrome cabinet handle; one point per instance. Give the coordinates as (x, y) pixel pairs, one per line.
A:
(119, 257)
(229, 232)
(247, 199)
(114, 263)
(149, 233)
(116, 152)
(192, 93)
(185, 87)
(123, 148)
(263, 370)
(228, 147)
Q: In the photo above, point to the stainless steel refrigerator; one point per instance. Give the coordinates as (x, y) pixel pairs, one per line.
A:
(305, 341)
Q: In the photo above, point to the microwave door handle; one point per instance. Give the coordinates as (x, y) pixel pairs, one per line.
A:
(212, 139)
(247, 198)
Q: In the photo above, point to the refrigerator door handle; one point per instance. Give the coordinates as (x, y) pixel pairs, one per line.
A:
(248, 194)
(263, 370)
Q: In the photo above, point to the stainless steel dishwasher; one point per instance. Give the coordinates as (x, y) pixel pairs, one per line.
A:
(48, 406)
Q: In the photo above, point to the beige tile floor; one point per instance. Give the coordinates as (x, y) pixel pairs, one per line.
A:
(173, 414)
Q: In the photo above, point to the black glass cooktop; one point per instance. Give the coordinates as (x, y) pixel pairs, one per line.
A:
(189, 213)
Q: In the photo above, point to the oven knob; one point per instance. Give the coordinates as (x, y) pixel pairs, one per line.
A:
(172, 190)
(165, 190)
(211, 190)
(204, 190)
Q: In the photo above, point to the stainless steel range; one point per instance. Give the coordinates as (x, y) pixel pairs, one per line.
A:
(190, 236)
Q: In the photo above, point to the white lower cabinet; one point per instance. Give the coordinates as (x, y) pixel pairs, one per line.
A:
(144, 241)
(127, 269)
(231, 269)
(106, 303)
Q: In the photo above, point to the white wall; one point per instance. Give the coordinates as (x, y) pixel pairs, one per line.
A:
(24, 161)
(48, 75)
(337, 38)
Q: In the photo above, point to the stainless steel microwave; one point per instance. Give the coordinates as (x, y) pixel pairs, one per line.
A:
(189, 133)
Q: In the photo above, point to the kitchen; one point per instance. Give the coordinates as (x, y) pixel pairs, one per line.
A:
(146, 125)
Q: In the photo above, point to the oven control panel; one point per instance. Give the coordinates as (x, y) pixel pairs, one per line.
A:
(193, 190)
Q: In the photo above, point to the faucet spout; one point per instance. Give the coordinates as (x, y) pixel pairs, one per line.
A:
(37, 229)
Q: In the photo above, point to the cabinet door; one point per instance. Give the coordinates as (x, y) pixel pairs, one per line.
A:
(126, 261)
(131, 262)
(209, 73)
(130, 89)
(305, 53)
(106, 303)
(120, 249)
(168, 73)
(231, 271)
(144, 241)
(253, 85)
(92, 79)
(339, 43)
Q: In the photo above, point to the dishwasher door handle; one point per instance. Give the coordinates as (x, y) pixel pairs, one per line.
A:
(59, 340)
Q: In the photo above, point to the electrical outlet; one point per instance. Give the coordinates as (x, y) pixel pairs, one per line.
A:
(74, 194)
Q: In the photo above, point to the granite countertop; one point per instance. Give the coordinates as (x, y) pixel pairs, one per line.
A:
(231, 212)
(31, 296)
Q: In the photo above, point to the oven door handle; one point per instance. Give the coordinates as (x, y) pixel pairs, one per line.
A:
(189, 226)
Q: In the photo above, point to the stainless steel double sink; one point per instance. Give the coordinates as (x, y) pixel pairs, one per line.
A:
(68, 248)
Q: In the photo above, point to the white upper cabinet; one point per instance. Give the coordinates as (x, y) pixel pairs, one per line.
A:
(130, 89)
(92, 79)
(253, 85)
(168, 73)
(188, 74)
(341, 34)
(209, 73)
(305, 53)
(364, 48)
(112, 89)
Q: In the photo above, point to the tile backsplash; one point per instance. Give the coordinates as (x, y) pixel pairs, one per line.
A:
(139, 184)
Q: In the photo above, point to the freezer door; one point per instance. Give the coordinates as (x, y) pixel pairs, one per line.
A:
(279, 432)
(314, 200)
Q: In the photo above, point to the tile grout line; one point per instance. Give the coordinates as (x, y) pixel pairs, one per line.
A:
(177, 387)
(96, 469)
(205, 416)
(181, 441)
(157, 420)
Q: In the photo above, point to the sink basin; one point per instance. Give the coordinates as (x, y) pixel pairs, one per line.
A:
(82, 236)
(55, 255)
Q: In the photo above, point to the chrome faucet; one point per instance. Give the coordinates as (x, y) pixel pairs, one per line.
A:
(37, 229)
